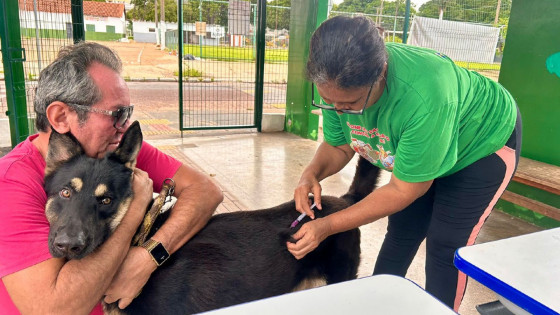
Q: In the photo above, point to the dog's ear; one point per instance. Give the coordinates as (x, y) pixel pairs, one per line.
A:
(130, 145)
(62, 147)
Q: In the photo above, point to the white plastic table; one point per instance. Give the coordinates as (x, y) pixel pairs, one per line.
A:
(381, 294)
(524, 270)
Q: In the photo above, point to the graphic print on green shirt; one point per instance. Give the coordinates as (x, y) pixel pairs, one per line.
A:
(373, 155)
(433, 119)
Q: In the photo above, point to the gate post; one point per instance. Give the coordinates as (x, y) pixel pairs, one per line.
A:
(78, 32)
(14, 76)
(259, 76)
(305, 17)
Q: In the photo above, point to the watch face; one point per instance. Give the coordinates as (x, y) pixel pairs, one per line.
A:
(159, 253)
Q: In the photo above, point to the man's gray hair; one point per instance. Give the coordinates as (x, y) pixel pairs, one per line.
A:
(67, 79)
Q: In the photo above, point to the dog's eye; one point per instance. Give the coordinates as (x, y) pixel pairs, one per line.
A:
(106, 201)
(65, 193)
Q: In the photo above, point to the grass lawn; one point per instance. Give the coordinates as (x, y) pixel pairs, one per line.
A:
(235, 53)
(478, 66)
(225, 53)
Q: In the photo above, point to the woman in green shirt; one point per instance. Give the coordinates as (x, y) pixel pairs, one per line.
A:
(450, 137)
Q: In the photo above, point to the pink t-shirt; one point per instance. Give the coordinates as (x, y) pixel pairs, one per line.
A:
(24, 229)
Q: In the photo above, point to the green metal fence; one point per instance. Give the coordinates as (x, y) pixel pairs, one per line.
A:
(221, 75)
(43, 31)
(478, 14)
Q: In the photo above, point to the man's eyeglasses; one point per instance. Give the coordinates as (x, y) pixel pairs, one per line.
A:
(346, 111)
(121, 115)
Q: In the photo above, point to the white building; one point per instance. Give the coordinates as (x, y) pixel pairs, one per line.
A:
(53, 19)
(145, 32)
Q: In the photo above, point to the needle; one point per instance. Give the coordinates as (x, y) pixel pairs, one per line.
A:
(301, 216)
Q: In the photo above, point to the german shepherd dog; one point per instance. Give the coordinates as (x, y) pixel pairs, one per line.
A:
(238, 257)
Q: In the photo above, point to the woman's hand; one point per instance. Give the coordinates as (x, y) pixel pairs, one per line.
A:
(308, 184)
(309, 237)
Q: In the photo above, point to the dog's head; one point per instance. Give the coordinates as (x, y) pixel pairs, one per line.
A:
(87, 197)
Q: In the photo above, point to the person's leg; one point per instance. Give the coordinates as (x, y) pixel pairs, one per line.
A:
(405, 231)
(462, 203)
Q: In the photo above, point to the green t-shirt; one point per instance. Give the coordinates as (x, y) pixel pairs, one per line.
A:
(433, 119)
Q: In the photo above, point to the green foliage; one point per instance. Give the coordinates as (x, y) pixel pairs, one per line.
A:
(382, 12)
(503, 33)
(378, 7)
(477, 11)
(212, 13)
(278, 18)
(189, 72)
(144, 10)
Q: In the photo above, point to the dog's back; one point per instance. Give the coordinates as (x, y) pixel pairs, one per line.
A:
(242, 256)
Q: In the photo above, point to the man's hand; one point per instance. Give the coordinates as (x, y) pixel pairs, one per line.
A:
(131, 277)
(309, 237)
(142, 188)
(137, 267)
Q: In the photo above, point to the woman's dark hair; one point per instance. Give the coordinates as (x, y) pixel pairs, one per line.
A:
(347, 51)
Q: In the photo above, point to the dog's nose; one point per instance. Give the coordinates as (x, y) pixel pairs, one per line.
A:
(67, 245)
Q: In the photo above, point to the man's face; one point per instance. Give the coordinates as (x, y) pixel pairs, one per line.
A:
(97, 135)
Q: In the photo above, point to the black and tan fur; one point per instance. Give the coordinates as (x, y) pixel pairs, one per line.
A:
(238, 257)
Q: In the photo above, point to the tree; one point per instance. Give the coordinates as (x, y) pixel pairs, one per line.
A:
(144, 10)
(476, 11)
(212, 13)
(278, 18)
(358, 6)
(382, 12)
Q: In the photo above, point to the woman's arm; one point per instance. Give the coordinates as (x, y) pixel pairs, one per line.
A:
(384, 201)
(327, 161)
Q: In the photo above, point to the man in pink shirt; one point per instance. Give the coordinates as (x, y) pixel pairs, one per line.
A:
(82, 92)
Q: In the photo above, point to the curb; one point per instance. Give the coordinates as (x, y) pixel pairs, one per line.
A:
(151, 79)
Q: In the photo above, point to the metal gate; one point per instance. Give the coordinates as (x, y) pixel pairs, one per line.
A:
(223, 84)
(28, 48)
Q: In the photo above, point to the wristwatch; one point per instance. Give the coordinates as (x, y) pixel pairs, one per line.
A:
(157, 251)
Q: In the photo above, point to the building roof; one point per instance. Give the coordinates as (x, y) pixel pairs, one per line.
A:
(91, 8)
(103, 9)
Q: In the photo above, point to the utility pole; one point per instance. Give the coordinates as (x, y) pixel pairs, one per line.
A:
(380, 14)
(156, 20)
(497, 12)
(162, 25)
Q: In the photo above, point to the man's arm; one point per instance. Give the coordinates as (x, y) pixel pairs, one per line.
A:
(197, 199)
(57, 286)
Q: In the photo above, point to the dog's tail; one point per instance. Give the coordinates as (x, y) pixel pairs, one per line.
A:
(364, 181)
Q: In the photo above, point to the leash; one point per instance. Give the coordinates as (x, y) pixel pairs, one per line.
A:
(164, 196)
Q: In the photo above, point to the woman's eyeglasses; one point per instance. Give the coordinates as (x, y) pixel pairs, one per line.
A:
(121, 115)
(346, 111)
